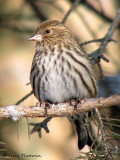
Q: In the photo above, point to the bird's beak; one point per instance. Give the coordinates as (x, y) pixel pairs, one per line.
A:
(36, 37)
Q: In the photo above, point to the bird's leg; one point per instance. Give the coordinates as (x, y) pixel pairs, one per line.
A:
(47, 105)
(78, 101)
(75, 103)
(38, 126)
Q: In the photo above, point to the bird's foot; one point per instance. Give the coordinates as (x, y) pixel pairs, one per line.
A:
(47, 106)
(38, 126)
(75, 104)
(78, 101)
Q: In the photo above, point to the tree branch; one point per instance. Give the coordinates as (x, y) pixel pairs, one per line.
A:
(96, 41)
(35, 7)
(102, 132)
(15, 112)
(97, 12)
(96, 55)
(75, 3)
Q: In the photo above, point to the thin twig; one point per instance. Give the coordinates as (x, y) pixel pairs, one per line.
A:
(90, 6)
(99, 52)
(102, 132)
(100, 71)
(101, 7)
(111, 30)
(16, 112)
(95, 41)
(37, 10)
(25, 97)
(75, 3)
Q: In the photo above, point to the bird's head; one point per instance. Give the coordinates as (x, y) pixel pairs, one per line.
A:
(51, 31)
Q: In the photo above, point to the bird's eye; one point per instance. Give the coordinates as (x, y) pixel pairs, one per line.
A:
(47, 31)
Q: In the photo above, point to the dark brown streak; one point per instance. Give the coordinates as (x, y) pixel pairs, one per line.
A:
(95, 88)
(74, 81)
(49, 59)
(37, 54)
(61, 50)
(67, 47)
(33, 84)
(62, 69)
(43, 69)
(58, 56)
(75, 84)
(63, 59)
(78, 53)
(43, 86)
(38, 60)
(37, 72)
(45, 52)
(38, 87)
(87, 70)
(52, 50)
(72, 57)
(54, 66)
(33, 67)
(55, 62)
(34, 76)
(83, 81)
(69, 65)
(46, 78)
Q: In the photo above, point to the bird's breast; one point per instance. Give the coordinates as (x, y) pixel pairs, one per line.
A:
(51, 82)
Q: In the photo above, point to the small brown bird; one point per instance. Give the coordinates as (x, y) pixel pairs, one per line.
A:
(61, 71)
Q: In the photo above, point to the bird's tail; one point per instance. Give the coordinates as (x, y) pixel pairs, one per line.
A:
(82, 132)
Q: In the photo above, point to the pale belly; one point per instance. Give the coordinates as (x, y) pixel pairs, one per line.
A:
(57, 88)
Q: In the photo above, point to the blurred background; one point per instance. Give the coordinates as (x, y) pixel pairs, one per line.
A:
(18, 21)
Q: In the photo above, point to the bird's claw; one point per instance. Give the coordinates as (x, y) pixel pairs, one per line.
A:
(38, 126)
(75, 104)
(78, 101)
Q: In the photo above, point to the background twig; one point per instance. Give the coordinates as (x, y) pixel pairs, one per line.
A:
(70, 10)
(103, 132)
(24, 98)
(96, 55)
